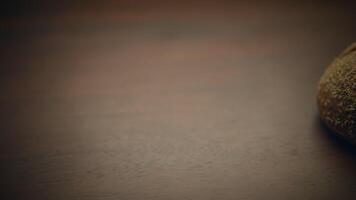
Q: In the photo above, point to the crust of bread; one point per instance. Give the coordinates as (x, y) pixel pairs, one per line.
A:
(336, 95)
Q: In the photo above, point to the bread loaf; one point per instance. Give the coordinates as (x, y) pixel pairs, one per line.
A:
(336, 95)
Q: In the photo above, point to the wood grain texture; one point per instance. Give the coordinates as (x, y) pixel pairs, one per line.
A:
(205, 100)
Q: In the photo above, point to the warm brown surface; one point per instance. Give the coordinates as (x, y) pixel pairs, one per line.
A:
(171, 101)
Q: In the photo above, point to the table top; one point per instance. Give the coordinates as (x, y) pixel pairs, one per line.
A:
(203, 100)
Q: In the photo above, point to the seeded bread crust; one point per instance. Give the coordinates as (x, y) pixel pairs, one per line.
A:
(336, 96)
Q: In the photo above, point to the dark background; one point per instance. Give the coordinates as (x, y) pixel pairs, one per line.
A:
(170, 100)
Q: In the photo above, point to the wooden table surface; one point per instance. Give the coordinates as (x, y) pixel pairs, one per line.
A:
(155, 100)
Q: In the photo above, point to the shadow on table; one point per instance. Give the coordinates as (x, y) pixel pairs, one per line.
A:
(335, 140)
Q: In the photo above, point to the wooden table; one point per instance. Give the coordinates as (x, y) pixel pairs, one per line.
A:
(171, 101)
